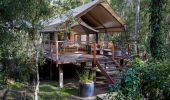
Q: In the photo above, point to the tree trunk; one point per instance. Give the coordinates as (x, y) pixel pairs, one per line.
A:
(137, 22)
(37, 78)
(37, 42)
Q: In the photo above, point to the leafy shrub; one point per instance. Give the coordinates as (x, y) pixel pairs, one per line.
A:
(86, 76)
(149, 79)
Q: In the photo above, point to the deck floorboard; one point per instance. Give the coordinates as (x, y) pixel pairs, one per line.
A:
(68, 58)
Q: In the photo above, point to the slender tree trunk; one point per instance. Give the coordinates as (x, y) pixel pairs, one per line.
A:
(157, 41)
(37, 78)
(137, 22)
(37, 41)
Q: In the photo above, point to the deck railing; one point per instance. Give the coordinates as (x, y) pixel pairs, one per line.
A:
(59, 48)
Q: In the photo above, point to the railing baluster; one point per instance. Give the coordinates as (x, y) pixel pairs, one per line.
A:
(94, 52)
(57, 53)
(113, 51)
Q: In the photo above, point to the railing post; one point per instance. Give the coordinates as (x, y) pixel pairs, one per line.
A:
(113, 52)
(94, 52)
(57, 53)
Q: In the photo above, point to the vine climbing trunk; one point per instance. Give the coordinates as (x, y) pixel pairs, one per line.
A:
(157, 46)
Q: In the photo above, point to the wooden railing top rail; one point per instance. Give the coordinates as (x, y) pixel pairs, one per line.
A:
(52, 41)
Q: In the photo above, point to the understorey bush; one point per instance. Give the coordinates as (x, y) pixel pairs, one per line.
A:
(148, 79)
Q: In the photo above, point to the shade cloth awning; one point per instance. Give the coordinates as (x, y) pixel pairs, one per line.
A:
(96, 14)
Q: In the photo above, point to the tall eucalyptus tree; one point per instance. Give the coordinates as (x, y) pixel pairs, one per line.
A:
(28, 15)
(157, 41)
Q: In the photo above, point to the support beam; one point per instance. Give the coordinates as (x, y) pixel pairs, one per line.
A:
(138, 51)
(94, 60)
(57, 53)
(75, 38)
(51, 71)
(94, 70)
(94, 52)
(60, 76)
(129, 49)
(97, 20)
(121, 62)
(51, 61)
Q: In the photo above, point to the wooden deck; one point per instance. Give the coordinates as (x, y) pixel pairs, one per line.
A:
(73, 56)
(76, 57)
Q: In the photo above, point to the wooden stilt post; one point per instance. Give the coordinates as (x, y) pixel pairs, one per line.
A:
(60, 76)
(87, 39)
(128, 49)
(75, 38)
(83, 65)
(97, 37)
(121, 62)
(57, 53)
(51, 60)
(138, 51)
(94, 70)
(60, 67)
(94, 52)
(94, 60)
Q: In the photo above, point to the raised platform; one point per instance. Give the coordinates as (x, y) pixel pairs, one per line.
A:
(75, 57)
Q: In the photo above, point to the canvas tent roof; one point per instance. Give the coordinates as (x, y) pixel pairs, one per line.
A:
(96, 14)
(82, 27)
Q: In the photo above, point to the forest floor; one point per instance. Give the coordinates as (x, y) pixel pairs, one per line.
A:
(50, 91)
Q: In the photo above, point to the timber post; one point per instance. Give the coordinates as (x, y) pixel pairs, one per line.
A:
(57, 53)
(138, 51)
(83, 65)
(60, 67)
(51, 62)
(94, 52)
(128, 49)
(113, 52)
(94, 60)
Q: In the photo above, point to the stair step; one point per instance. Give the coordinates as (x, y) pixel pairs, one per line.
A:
(115, 76)
(101, 78)
(107, 62)
(109, 69)
(113, 72)
(108, 66)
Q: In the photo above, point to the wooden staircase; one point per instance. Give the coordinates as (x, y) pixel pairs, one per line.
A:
(110, 69)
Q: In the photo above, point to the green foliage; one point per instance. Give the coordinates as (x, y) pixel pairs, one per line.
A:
(50, 91)
(14, 48)
(129, 86)
(20, 22)
(137, 62)
(16, 85)
(144, 79)
(156, 80)
(86, 76)
(157, 40)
